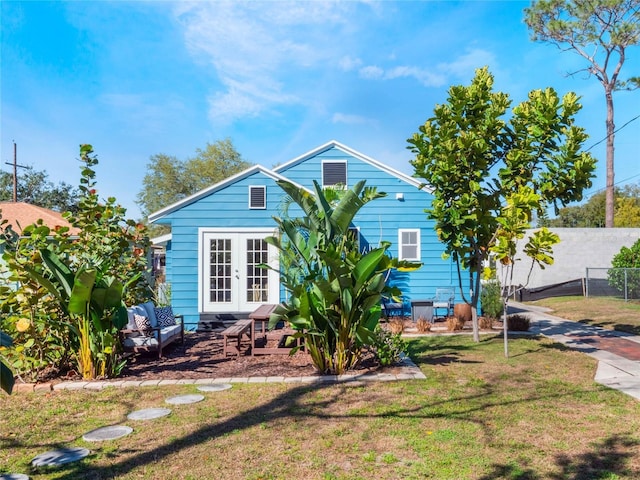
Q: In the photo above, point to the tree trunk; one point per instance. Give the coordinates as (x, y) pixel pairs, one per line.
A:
(610, 192)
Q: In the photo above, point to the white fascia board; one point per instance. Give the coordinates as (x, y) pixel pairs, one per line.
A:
(334, 143)
(213, 188)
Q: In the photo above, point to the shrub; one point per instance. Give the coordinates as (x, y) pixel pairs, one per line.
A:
(423, 325)
(388, 347)
(486, 323)
(454, 324)
(396, 325)
(491, 299)
(619, 278)
(518, 323)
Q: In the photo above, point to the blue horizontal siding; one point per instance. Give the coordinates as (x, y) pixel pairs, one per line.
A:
(379, 220)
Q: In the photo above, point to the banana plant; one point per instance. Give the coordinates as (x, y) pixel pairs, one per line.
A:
(334, 289)
(93, 301)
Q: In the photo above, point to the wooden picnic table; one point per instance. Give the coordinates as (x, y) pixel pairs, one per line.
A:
(261, 315)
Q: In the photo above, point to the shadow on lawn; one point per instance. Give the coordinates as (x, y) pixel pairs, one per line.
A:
(607, 459)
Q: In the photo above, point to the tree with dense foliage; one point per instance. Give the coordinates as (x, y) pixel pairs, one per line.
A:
(591, 214)
(334, 289)
(64, 304)
(625, 276)
(169, 179)
(486, 166)
(600, 32)
(35, 188)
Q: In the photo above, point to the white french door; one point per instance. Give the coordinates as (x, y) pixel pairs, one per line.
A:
(230, 277)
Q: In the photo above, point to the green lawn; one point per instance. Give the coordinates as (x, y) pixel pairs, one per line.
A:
(537, 415)
(606, 312)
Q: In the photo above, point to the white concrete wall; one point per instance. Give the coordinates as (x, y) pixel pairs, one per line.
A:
(578, 249)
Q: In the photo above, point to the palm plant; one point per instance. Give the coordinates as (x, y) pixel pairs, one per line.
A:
(334, 289)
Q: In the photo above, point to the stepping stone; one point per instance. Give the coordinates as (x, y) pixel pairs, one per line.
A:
(215, 387)
(14, 476)
(107, 433)
(185, 399)
(149, 413)
(59, 457)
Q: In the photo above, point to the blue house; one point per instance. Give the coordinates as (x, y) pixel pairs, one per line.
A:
(217, 235)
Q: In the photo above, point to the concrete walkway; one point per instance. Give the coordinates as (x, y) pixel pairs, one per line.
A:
(618, 353)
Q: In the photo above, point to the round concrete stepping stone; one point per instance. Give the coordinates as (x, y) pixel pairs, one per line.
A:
(185, 399)
(215, 387)
(149, 413)
(14, 476)
(59, 457)
(107, 433)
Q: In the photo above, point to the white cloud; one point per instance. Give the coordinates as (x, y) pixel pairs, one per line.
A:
(348, 63)
(371, 72)
(253, 47)
(349, 119)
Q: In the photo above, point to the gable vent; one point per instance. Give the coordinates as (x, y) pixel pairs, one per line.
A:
(257, 196)
(334, 173)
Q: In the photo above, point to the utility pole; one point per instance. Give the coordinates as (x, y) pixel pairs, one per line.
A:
(15, 171)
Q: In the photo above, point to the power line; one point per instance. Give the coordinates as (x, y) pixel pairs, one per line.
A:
(613, 133)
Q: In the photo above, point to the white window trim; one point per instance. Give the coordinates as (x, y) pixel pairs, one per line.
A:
(346, 178)
(264, 190)
(401, 245)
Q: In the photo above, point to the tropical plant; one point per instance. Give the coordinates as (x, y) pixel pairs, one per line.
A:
(93, 302)
(6, 375)
(490, 173)
(41, 323)
(334, 289)
(626, 271)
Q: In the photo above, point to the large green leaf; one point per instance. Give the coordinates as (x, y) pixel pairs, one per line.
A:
(59, 270)
(81, 292)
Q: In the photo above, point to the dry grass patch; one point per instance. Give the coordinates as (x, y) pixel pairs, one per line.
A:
(606, 312)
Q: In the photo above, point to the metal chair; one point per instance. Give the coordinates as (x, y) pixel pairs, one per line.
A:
(444, 299)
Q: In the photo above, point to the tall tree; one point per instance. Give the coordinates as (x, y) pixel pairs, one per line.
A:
(169, 179)
(35, 187)
(479, 164)
(600, 31)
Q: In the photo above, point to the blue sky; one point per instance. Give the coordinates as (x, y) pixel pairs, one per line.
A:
(135, 79)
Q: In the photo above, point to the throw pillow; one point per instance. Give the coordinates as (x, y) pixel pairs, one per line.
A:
(165, 317)
(143, 324)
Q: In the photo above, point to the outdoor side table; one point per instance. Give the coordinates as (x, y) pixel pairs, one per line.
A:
(422, 308)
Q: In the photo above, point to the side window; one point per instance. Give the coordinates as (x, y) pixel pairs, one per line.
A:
(409, 244)
(257, 197)
(334, 173)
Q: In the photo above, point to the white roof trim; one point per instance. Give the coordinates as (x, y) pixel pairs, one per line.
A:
(213, 188)
(162, 239)
(333, 143)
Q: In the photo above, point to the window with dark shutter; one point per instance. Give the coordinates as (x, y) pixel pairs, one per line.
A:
(258, 197)
(334, 173)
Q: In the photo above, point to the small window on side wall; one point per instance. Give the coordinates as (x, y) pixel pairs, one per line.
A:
(334, 174)
(257, 197)
(409, 244)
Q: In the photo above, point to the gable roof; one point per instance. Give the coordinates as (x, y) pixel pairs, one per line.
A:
(20, 214)
(214, 188)
(354, 153)
(275, 175)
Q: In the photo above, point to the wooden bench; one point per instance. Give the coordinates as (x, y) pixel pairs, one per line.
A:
(235, 332)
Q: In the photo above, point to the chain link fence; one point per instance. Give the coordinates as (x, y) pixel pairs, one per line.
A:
(613, 282)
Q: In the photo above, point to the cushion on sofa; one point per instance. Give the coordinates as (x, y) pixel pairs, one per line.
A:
(168, 333)
(165, 317)
(131, 311)
(151, 313)
(143, 324)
